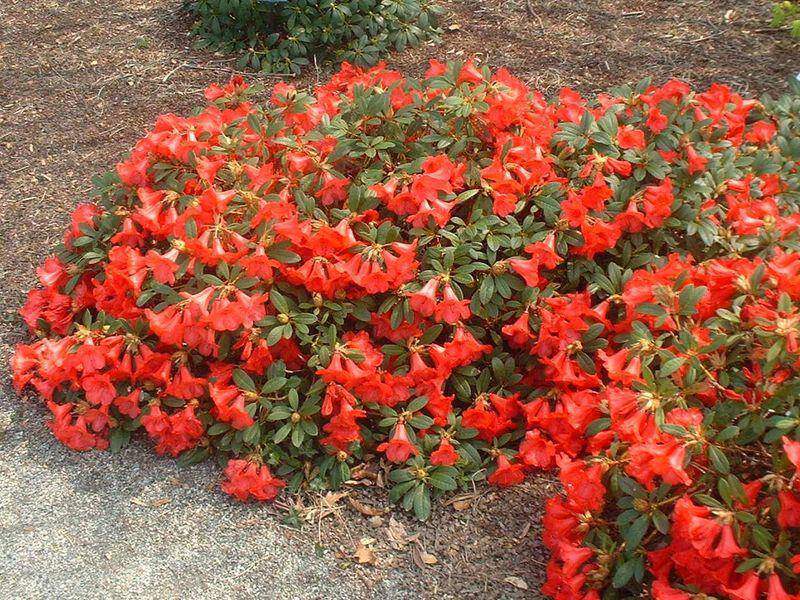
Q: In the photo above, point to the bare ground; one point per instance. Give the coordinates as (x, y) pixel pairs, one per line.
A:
(80, 81)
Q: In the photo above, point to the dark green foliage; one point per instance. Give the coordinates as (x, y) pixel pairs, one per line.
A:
(787, 14)
(285, 36)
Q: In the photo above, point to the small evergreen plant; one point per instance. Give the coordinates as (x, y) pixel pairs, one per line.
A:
(283, 36)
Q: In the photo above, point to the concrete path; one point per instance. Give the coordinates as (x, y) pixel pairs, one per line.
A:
(133, 525)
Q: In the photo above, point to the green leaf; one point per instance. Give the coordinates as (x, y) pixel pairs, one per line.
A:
(670, 366)
(486, 289)
(661, 522)
(635, 533)
(442, 482)
(597, 426)
(279, 413)
(274, 336)
(401, 489)
(252, 434)
(718, 460)
(279, 301)
(283, 255)
(218, 428)
(623, 574)
(400, 475)
(118, 439)
(243, 381)
(273, 385)
(422, 503)
(417, 404)
(298, 435)
(728, 433)
(282, 433)
(631, 487)
(651, 309)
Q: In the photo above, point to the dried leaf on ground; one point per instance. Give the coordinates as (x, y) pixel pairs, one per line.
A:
(364, 554)
(525, 529)
(331, 499)
(422, 558)
(397, 534)
(366, 509)
(462, 501)
(517, 582)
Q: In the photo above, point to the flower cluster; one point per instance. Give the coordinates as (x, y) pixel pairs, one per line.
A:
(469, 282)
(690, 478)
(284, 36)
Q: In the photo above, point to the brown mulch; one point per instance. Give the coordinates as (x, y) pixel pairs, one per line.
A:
(597, 44)
(480, 544)
(81, 80)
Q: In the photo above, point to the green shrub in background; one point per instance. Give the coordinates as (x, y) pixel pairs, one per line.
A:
(787, 13)
(283, 36)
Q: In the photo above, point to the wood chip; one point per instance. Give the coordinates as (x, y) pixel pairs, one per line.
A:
(517, 582)
(375, 521)
(151, 503)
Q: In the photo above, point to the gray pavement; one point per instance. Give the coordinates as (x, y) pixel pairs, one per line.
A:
(98, 525)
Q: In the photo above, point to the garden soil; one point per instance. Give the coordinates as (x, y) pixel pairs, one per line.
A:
(80, 81)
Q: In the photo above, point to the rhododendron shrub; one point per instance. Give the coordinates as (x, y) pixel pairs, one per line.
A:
(463, 280)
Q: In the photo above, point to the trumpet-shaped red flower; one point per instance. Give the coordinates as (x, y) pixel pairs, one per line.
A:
(507, 473)
(445, 454)
(450, 309)
(423, 302)
(246, 480)
(398, 448)
(173, 433)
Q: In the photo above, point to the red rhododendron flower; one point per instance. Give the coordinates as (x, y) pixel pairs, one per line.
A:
(630, 138)
(537, 451)
(506, 473)
(399, 448)
(792, 450)
(245, 480)
(445, 454)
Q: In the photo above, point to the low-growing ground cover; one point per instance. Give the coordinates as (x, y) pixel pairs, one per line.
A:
(470, 282)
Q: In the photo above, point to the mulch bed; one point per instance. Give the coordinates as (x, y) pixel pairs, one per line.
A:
(81, 80)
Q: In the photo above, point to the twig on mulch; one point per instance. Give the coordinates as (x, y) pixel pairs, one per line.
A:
(173, 71)
(771, 29)
(704, 38)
